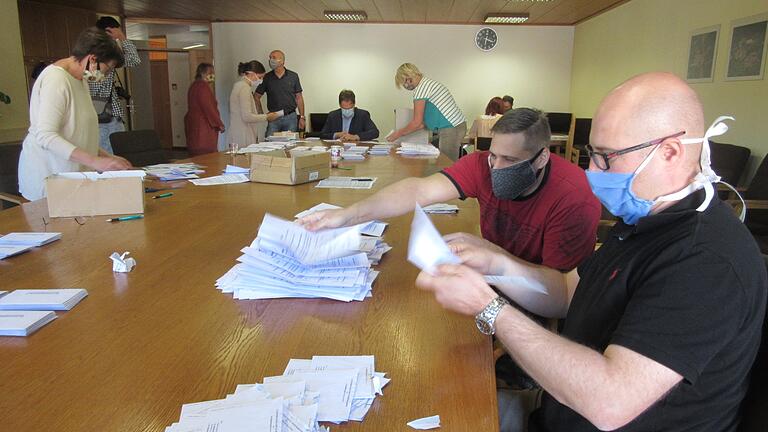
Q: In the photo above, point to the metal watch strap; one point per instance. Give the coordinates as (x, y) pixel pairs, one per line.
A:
(486, 319)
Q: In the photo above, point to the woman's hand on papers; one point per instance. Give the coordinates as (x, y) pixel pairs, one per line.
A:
(457, 288)
(109, 163)
(325, 219)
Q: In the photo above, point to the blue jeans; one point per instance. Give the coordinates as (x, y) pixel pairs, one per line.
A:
(107, 129)
(288, 122)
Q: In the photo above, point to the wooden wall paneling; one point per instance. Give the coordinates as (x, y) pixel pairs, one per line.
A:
(56, 34)
(32, 22)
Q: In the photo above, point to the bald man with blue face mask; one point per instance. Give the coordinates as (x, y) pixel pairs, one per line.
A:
(663, 322)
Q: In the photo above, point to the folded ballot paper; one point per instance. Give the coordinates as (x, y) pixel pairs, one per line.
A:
(42, 299)
(23, 323)
(285, 260)
(324, 389)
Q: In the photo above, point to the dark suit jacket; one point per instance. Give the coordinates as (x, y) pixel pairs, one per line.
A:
(361, 125)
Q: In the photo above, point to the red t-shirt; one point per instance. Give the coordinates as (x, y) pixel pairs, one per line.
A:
(555, 226)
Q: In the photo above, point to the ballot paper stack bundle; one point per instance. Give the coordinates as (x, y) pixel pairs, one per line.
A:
(175, 171)
(20, 242)
(325, 389)
(441, 208)
(23, 312)
(354, 152)
(285, 260)
(411, 149)
(380, 150)
(265, 147)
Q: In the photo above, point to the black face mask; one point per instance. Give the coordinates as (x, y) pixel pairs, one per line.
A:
(508, 183)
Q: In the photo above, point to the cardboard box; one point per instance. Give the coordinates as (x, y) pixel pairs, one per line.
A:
(290, 169)
(95, 194)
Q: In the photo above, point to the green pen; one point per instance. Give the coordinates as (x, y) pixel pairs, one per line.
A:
(165, 195)
(125, 218)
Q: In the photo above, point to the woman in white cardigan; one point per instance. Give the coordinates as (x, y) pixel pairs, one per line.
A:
(244, 119)
(64, 130)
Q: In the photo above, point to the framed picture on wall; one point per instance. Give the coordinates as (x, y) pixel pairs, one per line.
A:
(702, 51)
(746, 56)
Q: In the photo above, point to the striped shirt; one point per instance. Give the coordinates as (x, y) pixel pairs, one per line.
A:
(104, 88)
(441, 110)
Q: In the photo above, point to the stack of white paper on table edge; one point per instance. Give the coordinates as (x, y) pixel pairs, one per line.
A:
(265, 147)
(285, 260)
(324, 389)
(339, 182)
(20, 242)
(374, 246)
(380, 150)
(221, 180)
(23, 323)
(42, 299)
(427, 250)
(411, 149)
(441, 208)
(175, 171)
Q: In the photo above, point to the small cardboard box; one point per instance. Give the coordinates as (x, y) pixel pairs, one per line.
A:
(290, 169)
(94, 194)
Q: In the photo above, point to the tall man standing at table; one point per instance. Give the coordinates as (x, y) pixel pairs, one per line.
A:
(284, 93)
(663, 322)
(109, 109)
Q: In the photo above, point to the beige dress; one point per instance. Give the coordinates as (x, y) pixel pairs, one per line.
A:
(482, 125)
(61, 118)
(244, 121)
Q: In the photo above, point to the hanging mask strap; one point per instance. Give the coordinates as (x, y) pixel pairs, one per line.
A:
(743, 213)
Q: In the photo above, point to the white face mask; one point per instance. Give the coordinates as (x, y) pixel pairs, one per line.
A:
(93, 76)
(257, 82)
(210, 78)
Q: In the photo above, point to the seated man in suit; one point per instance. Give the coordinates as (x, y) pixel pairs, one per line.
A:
(349, 123)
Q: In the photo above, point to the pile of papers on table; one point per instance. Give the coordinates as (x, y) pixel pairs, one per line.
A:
(286, 260)
(20, 242)
(23, 312)
(324, 389)
(175, 171)
(410, 149)
(380, 149)
(354, 152)
(441, 208)
(265, 147)
(340, 182)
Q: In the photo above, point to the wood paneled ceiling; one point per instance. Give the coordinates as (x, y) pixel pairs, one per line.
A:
(555, 12)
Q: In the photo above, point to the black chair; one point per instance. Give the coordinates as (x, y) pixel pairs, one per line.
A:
(560, 123)
(9, 176)
(582, 128)
(729, 161)
(754, 408)
(482, 144)
(316, 124)
(140, 147)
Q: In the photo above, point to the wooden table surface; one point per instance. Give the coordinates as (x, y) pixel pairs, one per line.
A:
(144, 343)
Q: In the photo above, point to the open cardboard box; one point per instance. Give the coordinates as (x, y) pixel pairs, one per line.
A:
(95, 194)
(290, 168)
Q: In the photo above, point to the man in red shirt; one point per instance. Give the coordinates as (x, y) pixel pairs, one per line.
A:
(534, 205)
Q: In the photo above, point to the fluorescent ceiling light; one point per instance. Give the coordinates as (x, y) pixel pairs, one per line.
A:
(346, 15)
(506, 18)
(198, 45)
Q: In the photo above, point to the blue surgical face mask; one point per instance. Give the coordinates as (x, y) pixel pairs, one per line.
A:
(347, 113)
(614, 190)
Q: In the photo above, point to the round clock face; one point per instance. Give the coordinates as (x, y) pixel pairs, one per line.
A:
(486, 39)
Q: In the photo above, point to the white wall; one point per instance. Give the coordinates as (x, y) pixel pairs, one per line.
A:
(532, 64)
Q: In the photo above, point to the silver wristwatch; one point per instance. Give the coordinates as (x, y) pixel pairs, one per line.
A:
(487, 317)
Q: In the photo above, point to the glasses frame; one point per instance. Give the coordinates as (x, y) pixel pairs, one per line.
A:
(600, 158)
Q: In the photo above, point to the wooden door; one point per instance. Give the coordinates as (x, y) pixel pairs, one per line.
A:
(161, 102)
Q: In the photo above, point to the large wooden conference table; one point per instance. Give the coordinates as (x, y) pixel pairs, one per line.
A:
(144, 343)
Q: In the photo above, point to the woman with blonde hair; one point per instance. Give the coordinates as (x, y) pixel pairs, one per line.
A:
(244, 119)
(433, 108)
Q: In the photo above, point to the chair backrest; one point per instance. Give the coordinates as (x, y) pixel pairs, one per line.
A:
(140, 147)
(559, 123)
(729, 161)
(482, 143)
(754, 408)
(581, 132)
(317, 121)
(9, 171)
(758, 187)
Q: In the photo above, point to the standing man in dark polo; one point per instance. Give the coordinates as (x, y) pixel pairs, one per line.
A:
(284, 93)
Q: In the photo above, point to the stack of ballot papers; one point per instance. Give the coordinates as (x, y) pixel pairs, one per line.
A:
(265, 147)
(233, 169)
(23, 323)
(42, 299)
(380, 149)
(19, 242)
(441, 208)
(175, 171)
(285, 260)
(410, 149)
(354, 152)
(334, 182)
(221, 179)
(324, 389)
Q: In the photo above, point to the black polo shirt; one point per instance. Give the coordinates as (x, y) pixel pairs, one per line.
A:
(686, 289)
(281, 92)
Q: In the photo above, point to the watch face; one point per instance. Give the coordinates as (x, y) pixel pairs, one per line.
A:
(483, 326)
(486, 39)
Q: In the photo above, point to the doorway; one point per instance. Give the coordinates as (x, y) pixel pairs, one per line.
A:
(170, 52)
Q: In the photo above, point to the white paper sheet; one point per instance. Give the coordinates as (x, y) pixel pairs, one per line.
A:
(518, 281)
(425, 423)
(426, 247)
(347, 183)
(221, 180)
